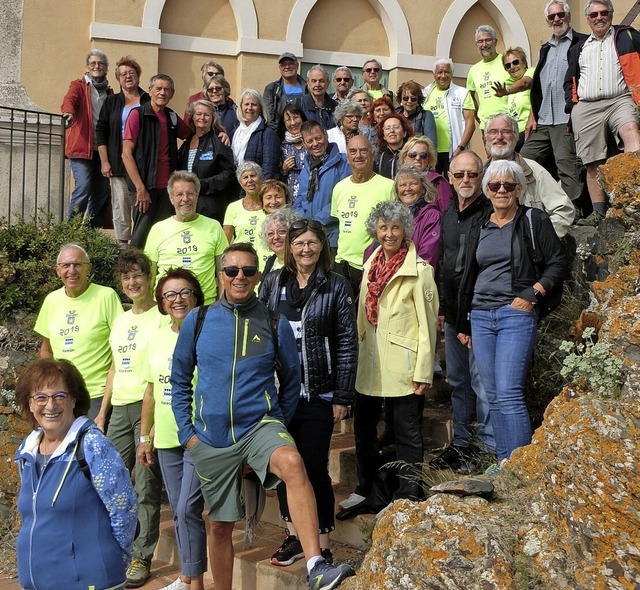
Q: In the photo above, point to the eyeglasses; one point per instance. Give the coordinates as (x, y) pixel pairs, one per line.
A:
(461, 174)
(421, 155)
(509, 187)
(234, 271)
(58, 398)
(509, 65)
(372, 70)
(305, 223)
(495, 132)
(409, 99)
(392, 128)
(342, 79)
(94, 64)
(129, 278)
(214, 89)
(595, 14)
(552, 17)
(212, 74)
(189, 195)
(311, 244)
(183, 293)
(70, 265)
(281, 233)
(353, 117)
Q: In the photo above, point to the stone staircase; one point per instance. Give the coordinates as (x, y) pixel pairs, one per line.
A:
(351, 538)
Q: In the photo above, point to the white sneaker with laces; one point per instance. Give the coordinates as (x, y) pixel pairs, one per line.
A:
(353, 500)
(177, 585)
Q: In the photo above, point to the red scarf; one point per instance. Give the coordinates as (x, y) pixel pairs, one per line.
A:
(380, 273)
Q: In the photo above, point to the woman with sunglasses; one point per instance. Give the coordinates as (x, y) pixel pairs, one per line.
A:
(504, 282)
(319, 305)
(177, 293)
(218, 91)
(76, 501)
(410, 97)
(517, 88)
(418, 151)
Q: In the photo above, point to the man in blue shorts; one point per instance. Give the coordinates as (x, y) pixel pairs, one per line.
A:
(240, 416)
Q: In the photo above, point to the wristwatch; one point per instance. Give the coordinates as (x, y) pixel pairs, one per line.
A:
(537, 294)
(145, 439)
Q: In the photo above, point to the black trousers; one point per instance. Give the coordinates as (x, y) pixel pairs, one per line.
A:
(407, 419)
(160, 208)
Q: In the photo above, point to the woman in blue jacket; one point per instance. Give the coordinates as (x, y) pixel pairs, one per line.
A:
(64, 542)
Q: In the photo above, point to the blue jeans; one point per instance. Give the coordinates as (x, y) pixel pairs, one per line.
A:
(183, 489)
(91, 191)
(503, 340)
(468, 397)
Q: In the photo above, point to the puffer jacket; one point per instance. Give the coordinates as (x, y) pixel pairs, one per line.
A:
(264, 149)
(329, 339)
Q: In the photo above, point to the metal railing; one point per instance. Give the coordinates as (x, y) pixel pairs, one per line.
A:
(33, 172)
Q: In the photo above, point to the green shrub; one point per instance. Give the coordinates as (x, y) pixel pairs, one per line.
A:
(28, 251)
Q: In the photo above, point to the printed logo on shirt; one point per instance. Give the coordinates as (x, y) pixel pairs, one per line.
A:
(206, 155)
(126, 362)
(186, 237)
(347, 226)
(253, 220)
(71, 317)
(256, 338)
(186, 260)
(166, 394)
(353, 201)
(131, 336)
(68, 342)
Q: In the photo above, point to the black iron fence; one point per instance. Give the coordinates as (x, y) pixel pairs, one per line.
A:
(33, 172)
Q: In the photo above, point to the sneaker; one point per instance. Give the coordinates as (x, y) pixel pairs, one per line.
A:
(138, 573)
(325, 576)
(453, 457)
(177, 585)
(353, 500)
(328, 556)
(288, 552)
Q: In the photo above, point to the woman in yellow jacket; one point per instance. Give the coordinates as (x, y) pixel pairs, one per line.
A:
(397, 319)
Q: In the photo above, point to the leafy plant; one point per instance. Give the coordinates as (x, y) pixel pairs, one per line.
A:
(592, 365)
(28, 251)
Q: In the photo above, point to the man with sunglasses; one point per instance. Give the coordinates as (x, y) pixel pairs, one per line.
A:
(541, 190)
(342, 82)
(372, 74)
(547, 139)
(602, 94)
(240, 416)
(468, 399)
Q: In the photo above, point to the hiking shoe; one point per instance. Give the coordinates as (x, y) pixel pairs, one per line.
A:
(453, 457)
(591, 220)
(288, 552)
(325, 576)
(177, 585)
(328, 556)
(138, 573)
(353, 500)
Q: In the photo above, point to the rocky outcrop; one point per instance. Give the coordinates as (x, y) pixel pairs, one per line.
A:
(566, 510)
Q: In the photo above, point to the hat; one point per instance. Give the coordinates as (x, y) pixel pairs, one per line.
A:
(287, 55)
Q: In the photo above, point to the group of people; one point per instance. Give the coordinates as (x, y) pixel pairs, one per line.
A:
(321, 239)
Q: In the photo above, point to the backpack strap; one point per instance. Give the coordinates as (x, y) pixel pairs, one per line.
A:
(82, 462)
(273, 322)
(202, 312)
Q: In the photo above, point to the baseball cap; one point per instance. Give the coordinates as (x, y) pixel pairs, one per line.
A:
(287, 55)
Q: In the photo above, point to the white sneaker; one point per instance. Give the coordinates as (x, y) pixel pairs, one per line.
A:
(177, 585)
(353, 500)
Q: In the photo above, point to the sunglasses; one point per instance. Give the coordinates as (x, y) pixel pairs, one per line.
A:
(509, 187)
(215, 89)
(372, 70)
(342, 79)
(595, 14)
(409, 99)
(305, 223)
(421, 155)
(460, 175)
(234, 271)
(509, 65)
(552, 17)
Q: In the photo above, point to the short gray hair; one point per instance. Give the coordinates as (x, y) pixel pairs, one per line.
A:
(101, 54)
(319, 68)
(488, 30)
(253, 93)
(564, 5)
(509, 120)
(345, 108)
(607, 3)
(502, 168)
(248, 165)
(372, 60)
(391, 211)
(283, 216)
(442, 61)
(76, 247)
(184, 176)
(164, 77)
(471, 153)
(409, 171)
(343, 69)
(355, 90)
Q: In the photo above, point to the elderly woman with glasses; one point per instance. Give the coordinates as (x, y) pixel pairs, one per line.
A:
(319, 305)
(76, 501)
(275, 230)
(515, 260)
(397, 317)
(410, 98)
(420, 152)
(347, 115)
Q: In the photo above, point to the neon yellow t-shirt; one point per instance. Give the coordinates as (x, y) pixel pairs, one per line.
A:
(519, 103)
(436, 104)
(131, 336)
(78, 330)
(193, 245)
(158, 372)
(247, 226)
(481, 77)
(351, 204)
